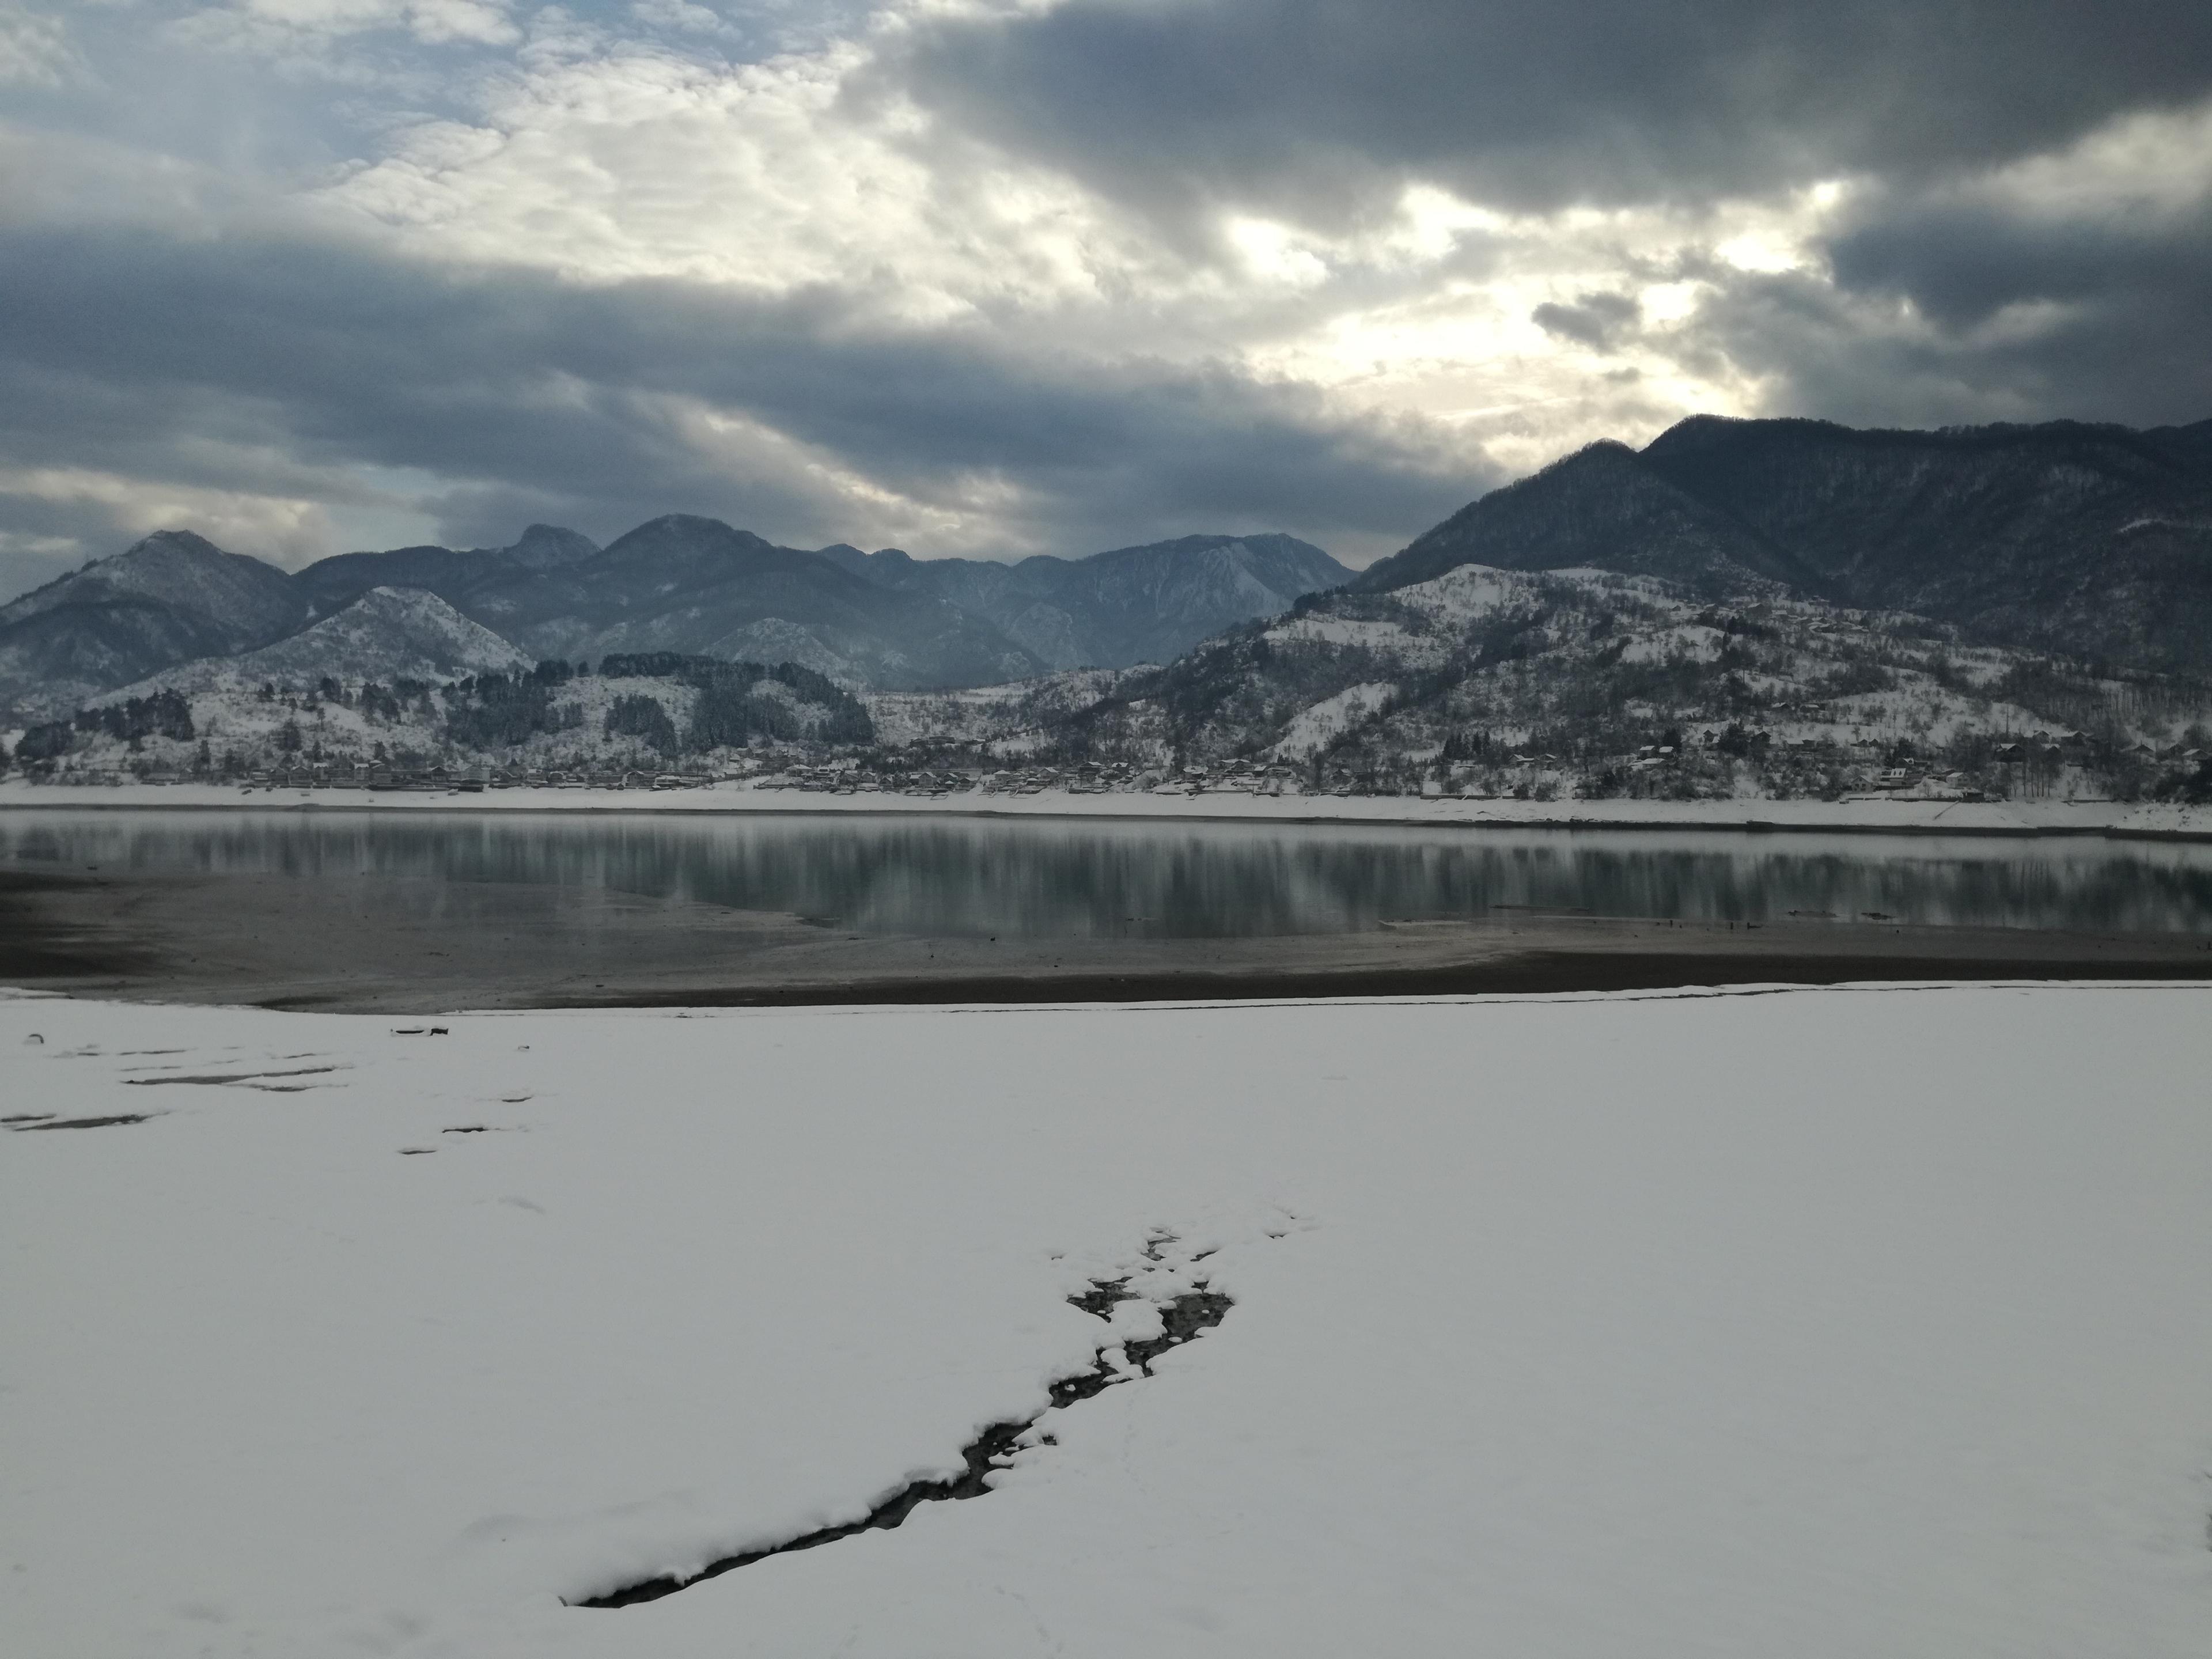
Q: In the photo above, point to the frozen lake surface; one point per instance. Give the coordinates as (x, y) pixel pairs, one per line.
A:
(1825, 1323)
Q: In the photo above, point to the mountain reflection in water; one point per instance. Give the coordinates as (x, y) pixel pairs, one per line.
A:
(1058, 879)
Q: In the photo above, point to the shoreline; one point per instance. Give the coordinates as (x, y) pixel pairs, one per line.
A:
(2107, 820)
(1531, 974)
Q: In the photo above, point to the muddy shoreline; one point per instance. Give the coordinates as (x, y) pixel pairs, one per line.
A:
(406, 945)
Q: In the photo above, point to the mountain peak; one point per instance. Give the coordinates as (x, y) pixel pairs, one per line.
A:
(239, 598)
(172, 544)
(681, 523)
(683, 533)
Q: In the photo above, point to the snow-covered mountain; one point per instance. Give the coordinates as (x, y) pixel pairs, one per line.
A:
(387, 633)
(1585, 683)
(250, 600)
(170, 597)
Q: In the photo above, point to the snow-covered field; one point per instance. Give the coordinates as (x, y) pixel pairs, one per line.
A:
(1844, 1323)
(1872, 813)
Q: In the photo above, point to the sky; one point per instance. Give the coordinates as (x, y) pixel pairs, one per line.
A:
(995, 278)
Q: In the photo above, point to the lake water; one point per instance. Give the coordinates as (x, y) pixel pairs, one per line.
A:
(1057, 879)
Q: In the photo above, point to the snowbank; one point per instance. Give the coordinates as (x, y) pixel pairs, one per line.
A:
(1895, 814)
(1823, 1323)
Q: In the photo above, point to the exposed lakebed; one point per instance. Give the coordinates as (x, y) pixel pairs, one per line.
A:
(338, 908)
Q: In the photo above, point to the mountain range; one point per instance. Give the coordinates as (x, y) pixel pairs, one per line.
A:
(1730, 572)
(692, 586)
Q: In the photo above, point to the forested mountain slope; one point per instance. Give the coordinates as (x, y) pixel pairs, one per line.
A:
(2094, 541)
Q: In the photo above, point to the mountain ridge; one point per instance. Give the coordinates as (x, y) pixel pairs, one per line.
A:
(2095, 539)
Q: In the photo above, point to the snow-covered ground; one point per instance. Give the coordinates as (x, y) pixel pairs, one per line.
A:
(1898, 812)
(1822, 1323)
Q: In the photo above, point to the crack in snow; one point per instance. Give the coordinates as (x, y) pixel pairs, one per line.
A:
(22, 1127)
(246, 1077)
(1181, 1318)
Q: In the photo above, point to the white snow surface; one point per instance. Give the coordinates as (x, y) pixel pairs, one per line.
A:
(1342, 631)
(1469, 591)
(1866, 1321)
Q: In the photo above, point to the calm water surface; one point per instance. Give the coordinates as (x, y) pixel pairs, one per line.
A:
(1062, 880)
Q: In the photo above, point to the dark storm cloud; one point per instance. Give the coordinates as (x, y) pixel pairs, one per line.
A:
(1306, 107)
(235, 363)
(1597, 320)
(1962, 261)
(1959, 306)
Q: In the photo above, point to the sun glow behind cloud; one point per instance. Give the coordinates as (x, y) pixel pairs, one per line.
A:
(631, 161)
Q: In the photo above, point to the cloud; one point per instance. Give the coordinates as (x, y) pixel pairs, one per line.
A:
(207, 364)
(984, 278)
(1594, 320)
(34, 48)
(769, 178)
(432, 22)
(2077, 283)
(1315, 110)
